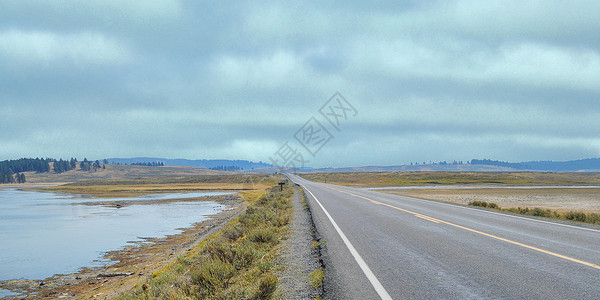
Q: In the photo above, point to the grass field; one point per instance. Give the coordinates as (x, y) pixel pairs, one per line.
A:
(454, 178)
(124, 188)
(559, 199)
(119, 172)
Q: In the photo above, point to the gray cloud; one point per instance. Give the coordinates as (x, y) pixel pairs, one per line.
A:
(431, 80)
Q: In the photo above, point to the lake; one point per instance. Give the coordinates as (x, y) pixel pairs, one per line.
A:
(44, 233)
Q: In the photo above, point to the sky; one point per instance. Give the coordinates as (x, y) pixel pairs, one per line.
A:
(321, 83)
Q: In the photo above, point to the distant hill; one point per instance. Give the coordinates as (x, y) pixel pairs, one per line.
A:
(479, 165)
(115, 172)
(580, 165)
(203, 163)
(475, 165)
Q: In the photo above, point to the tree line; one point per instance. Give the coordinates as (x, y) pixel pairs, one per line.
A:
(10, 178)
(226, 168)
(149, 164)
(11, 171)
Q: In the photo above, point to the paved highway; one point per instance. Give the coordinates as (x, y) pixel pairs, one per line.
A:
(382, 246)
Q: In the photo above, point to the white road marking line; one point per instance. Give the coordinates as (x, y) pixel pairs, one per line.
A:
(361, 263)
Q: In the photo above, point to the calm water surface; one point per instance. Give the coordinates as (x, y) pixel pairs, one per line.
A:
(42, 234)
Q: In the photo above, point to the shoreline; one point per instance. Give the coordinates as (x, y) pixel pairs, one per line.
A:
(130, 265)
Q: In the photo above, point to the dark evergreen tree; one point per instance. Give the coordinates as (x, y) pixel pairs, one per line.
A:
(85, 165)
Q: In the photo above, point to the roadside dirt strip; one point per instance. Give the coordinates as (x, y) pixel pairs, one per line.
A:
(301, 256)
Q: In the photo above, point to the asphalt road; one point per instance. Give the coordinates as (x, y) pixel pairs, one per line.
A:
(382, 246)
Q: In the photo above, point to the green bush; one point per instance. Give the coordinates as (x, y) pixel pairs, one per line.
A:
(593, 218)
(244, 255)
(260, 235)
(221, 250)
(538, 212)
(234, 232)
(576, 216)
(213, 274)
(483, 204)
(267, 286)
(282, 221)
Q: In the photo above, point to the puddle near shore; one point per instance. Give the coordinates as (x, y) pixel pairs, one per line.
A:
(6, 293)
(43, 234)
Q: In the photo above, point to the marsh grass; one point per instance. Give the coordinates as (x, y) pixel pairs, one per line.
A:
(576, 216)
(235, 263)
(126, 188)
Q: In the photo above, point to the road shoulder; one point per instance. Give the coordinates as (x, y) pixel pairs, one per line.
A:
(301, 255)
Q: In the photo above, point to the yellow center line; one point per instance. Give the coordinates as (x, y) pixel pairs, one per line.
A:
(474, 231)
(428, 218)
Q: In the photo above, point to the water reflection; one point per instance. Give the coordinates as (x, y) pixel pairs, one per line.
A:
(44, 234)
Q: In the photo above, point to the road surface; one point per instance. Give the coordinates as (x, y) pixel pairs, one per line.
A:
(382, 246)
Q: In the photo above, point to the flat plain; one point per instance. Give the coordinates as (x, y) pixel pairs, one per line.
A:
(555, 191)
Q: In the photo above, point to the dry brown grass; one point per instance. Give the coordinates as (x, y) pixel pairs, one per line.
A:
(560, 199)
(133, 190)
(117, 172)
(125, 188)
(236, 263)
(453, 178)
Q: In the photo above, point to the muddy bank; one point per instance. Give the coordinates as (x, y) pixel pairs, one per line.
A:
(133, 264)
(125, 203)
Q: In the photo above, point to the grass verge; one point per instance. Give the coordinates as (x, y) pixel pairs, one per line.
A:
(235, 263)
(591, 218)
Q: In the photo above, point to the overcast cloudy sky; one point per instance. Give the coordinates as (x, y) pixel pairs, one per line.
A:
(430, 80)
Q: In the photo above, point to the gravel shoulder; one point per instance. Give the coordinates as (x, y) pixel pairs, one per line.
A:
(300, 256)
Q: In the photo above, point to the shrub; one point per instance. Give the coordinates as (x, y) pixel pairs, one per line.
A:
(240, 255)
(244, 255)
(219, 249)
(262, 236)
(264, 266)
(233, 233)
(213, 274)
(482, 204)
(593, 218)
(267, 286)
(282, 221)
(538, 212)
(576, 216)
